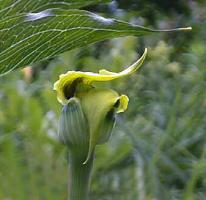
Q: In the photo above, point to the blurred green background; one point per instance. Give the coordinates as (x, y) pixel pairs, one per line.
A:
(157, 150)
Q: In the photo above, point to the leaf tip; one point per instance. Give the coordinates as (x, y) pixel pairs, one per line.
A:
(186, 29)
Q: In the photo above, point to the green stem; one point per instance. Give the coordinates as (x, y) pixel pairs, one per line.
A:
(79, 176)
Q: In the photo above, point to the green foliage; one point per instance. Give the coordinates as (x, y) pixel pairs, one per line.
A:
(32, 32)
(157, 150)
(10, 8)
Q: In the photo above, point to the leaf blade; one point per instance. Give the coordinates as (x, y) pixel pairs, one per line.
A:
(11, 7)
(26, 38)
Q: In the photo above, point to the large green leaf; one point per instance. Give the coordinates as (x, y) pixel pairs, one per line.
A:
(28, 37)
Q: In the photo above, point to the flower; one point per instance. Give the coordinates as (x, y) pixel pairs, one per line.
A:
(98, 105)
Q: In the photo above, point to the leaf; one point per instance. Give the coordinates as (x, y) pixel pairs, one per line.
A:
(11, 7)
(30, 37)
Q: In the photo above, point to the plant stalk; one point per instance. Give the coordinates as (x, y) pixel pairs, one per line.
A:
(79, 176)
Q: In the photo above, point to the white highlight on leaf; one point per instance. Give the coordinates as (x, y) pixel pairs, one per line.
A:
(39, 15)
(102, 19)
